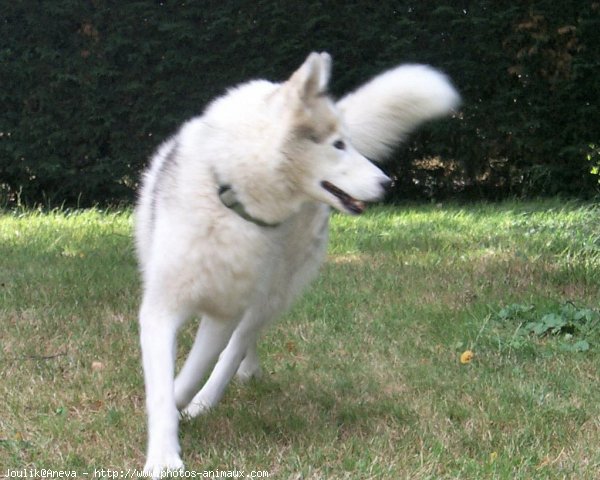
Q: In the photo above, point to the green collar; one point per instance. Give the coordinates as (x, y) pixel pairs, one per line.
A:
(230, 200)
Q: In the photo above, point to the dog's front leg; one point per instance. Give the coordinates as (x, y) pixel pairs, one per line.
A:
(211, 338)
(158, 335)
(242, 340)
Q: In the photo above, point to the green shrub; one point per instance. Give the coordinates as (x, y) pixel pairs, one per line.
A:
(90, 88)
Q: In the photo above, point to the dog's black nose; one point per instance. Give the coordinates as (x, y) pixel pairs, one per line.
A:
(386, 184)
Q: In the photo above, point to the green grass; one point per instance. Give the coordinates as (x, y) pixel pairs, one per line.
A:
(363, 378)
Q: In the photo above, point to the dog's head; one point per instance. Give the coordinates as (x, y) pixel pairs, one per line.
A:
(310, 147)
(319, 148)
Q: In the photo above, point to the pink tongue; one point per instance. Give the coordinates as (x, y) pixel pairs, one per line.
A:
(350, 203)
(356, 206)
(360, 205)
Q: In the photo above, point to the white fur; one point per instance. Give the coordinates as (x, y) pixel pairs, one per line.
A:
(409, 94)
(274, 145)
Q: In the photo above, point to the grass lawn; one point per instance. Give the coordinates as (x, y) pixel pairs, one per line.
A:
(363, 378)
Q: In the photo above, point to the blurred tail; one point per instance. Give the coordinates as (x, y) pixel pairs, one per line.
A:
(383, 111)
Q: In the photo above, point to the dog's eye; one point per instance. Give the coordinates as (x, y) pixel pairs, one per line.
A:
(340, 145)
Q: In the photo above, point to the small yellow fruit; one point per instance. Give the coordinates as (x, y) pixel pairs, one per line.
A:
(466, 357)
(97, 366)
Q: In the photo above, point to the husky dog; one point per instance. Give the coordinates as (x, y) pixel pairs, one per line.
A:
(232, 220)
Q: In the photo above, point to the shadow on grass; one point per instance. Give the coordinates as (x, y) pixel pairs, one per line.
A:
(267, 412)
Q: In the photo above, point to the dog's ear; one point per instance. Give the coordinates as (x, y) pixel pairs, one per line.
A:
(312, 78)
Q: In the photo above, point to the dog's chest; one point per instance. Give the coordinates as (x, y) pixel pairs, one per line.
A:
(301, 246)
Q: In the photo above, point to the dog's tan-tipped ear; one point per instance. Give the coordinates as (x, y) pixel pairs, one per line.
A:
(325, 72)
(312, 78)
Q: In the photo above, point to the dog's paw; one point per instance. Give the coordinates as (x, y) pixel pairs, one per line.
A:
(196, 407)
(245, 374)
(249, 368)
(160, 464)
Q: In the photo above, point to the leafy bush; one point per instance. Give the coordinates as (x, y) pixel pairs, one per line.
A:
(90, 88)
(594, 157)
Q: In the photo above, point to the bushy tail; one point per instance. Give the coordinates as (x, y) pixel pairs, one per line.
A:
(383, 111)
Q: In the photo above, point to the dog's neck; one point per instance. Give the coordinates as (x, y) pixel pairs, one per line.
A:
(229, 198)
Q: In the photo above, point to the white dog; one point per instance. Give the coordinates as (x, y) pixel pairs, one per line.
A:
(232, 220)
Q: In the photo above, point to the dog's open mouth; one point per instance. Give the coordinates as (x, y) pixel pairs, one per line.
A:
(351, 204)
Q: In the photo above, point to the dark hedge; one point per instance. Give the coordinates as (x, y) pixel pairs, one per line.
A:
(89, 88)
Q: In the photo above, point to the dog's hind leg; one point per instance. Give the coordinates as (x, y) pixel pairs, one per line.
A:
(243, 337)
(211, 338)
(158, 336)
(250, 366)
